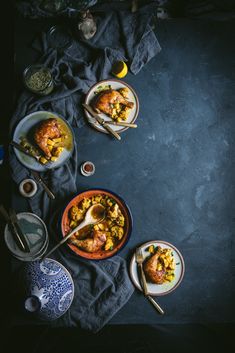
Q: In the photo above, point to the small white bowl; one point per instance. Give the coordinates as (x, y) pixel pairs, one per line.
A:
(25, 193)
(83, 170)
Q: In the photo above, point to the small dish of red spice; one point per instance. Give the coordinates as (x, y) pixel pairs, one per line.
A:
(87, 168)
(28, 188)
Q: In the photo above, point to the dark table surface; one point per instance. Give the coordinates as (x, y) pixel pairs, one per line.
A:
(176, 170)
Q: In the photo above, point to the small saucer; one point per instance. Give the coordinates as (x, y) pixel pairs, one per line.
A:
(30, 185)
(87, 168)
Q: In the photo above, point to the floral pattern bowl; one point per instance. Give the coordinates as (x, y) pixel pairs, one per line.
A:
(49, 289)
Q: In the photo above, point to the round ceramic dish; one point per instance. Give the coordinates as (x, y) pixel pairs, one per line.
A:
(102, 254)
(165, 288)
(115, 84)
(83, 169)
(24, 129)
(36, 233)
(37, 257)
(46, 86)
(48, 289)
(32, 192)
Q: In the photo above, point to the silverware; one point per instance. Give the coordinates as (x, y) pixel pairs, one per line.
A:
(24, 150)
(39, 180)
(140, 259)
(119, 123)
(13, 217)
(102, 122)
(89, 219)
(155, 304)
(60, 243)
(13, 229)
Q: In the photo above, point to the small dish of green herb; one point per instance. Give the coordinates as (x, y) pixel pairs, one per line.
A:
(38, 79)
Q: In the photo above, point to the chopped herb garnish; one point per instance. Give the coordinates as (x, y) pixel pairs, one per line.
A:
(102, 88)
(177, 263)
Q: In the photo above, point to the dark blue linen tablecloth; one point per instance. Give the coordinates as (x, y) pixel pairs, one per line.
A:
(119, 36)
(175, 171)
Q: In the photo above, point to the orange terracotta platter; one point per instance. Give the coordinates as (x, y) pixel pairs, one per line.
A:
(101, 254)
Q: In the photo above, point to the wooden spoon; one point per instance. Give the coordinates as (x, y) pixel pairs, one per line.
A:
(95, 214)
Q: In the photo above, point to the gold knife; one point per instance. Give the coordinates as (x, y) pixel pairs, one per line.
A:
(13, 229)
(24, 150)
(101, 121)
(16, 225)
(139, 260)
(39, 179)
(30, 154)
(121, 123)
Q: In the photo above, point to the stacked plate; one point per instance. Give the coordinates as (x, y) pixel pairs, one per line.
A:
(36, 233)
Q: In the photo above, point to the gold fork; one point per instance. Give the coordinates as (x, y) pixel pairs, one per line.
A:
(140, 259)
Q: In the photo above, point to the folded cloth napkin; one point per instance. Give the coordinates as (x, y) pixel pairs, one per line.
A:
(40, 8)
(102, 287)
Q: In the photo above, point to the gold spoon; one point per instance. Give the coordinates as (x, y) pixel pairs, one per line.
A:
(94, 214)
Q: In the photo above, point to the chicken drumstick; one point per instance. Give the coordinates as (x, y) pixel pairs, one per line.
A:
(47, 129)
(91, 244)
(150, 268)
(106, 99)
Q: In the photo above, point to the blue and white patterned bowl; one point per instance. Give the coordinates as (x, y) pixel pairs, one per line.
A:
(49, 289)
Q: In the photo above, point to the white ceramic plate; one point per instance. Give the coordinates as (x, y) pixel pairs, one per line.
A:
(36, 233)
(115, 84)
(24, 129)
(165, 288)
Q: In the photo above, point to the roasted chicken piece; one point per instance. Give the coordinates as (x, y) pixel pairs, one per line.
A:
(93, 244)
(48, 129)
(106, 100)
(150, 268)
(124, 92)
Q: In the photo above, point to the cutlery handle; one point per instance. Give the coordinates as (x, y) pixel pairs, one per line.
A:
(53, 249)
(128, 125)
(81, 225)
(101, 121)
(111, 131)
(15, 233)
(16, 236)
(22, 149)
(19, 147)
(122, 124)
(155, 304)
(22, 237)
(48, 191)
(145, 288)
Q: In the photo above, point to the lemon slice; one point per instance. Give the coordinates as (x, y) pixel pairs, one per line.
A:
(120, 69)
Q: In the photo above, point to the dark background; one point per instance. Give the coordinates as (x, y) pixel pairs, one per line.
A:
(187, 163)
